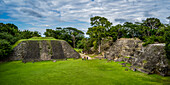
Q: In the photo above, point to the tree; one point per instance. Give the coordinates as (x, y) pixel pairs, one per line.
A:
(100, 21)
(69, 34)
(100, 26)
(5, 49)
(9, 28)
(167, 39)
(8, 37)
(28, 34)
(49, 33)
(73, 32)
(113, 32)
(151, 25)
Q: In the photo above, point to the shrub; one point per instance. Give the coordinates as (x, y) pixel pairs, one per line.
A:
(167, 46)
(160, 39)
(149, 40)
(5, 49)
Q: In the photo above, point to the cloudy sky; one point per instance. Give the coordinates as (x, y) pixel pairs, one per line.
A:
(42, 14)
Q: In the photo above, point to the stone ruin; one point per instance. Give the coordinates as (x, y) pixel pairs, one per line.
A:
(149, 59)
(38, 50)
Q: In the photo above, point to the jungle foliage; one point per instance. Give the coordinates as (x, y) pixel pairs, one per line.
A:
(149, 31)
(69, 34)
(9, 35)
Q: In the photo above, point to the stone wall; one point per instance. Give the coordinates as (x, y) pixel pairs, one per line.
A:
(124, 47)
(149, 59)
(152, 59)
(43, 50)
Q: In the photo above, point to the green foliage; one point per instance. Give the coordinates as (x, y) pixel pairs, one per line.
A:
(150, 31)
(5, 48)
(160, 39)
(95, 45)
(149, 40)
(10, 38)
(34, 38)
(72, 35)
(74, 72)
(152, 23)
(167, 39)
(100, 21)
(80, 44)
(9, 28)
(78, 50)
(9, 34)
(28, 34)
(99, 29)
(42, 38)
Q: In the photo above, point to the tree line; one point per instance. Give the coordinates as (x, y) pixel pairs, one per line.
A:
(9, 34)
(149, 31)
(72, 35)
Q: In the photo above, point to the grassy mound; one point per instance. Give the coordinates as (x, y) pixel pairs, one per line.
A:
(78, 50)
(33, 38)
(74, 72)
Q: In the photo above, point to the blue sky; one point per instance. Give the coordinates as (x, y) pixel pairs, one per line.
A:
(38, 15)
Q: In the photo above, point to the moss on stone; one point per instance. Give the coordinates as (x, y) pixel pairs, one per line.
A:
(144, 61)
(126, 57)
(35, 39)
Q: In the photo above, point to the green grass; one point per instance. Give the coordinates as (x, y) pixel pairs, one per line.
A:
(33, 38)
(92, 55)
(42, 38)
(74, 72)
(78, 50)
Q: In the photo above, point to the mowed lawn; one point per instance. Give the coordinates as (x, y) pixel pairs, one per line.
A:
(74, 72)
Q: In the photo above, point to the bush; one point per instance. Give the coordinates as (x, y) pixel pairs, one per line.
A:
(167, 49)
(78, 50)
(5, 49)
(167, 46)
(149, 40)
(10, 38)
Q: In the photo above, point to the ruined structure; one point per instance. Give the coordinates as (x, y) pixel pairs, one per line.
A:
(149, 59)
(37, 50)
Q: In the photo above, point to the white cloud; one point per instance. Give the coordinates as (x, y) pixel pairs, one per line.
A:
(54, 13)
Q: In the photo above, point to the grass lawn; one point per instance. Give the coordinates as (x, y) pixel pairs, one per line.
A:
(92, 55)
(74, 72)
(78, 50)
(35, 39)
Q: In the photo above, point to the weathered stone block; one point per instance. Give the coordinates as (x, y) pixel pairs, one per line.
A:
(33, 50)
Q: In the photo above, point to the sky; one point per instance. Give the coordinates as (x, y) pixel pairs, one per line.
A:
(39, 15)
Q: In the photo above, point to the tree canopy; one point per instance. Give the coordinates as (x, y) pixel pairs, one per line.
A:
(9, 34)
(69, 34)
(149, 31)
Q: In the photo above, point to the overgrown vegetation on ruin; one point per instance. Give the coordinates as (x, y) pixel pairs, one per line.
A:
(149, 31)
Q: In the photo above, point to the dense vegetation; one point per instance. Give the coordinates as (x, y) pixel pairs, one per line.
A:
(9, 35)
(74, 72)
(150, 31)
(72, 35)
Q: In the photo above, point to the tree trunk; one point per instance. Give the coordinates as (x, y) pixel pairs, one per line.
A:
(74, 41)
(99, 48)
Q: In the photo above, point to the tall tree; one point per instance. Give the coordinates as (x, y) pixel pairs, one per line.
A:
(167, 38)
(73, 32)
(100, 26)
(69, 34)
(151, 25)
